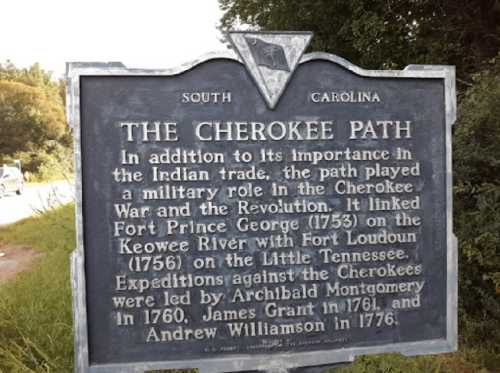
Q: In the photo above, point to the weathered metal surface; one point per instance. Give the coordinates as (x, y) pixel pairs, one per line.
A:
(224, 69)
(270, 80)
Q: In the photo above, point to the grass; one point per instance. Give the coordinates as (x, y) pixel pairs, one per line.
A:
(35, 308)
(36, 326)
(463, 361)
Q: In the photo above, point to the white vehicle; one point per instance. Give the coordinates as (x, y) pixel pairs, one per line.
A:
(11, 180)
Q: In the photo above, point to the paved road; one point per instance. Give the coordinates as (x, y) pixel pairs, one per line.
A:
(35, 198)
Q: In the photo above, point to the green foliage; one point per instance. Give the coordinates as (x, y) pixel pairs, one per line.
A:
(477, 133)
(463, 361)
(392, 363)
(35, 309)
(28, 118)
(32, 122)
(34, 76)
(477, 206)
(383, 33)
(52, 162)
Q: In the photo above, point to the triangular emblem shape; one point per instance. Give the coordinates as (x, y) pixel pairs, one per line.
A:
(270, 58)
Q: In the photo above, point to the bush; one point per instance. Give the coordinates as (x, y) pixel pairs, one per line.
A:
(52, 162)
(477, 208)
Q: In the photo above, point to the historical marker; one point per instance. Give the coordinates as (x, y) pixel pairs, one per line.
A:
(261, 210)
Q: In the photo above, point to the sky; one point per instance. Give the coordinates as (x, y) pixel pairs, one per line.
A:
(139, 33)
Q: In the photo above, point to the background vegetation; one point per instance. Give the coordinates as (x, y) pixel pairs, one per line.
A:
(33, 127)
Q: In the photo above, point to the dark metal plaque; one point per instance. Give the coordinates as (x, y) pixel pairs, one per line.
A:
(229, 228)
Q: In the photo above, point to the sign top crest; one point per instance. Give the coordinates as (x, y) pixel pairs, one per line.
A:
(271, 58)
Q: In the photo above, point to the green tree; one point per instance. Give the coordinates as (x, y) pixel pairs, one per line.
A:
(32, 123)
(477, 204)
(29, 120)
(383, 33)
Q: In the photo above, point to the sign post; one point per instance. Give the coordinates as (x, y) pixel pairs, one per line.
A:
(261, 209)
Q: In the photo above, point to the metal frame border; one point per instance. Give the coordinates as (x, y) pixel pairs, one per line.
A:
(266, 362)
